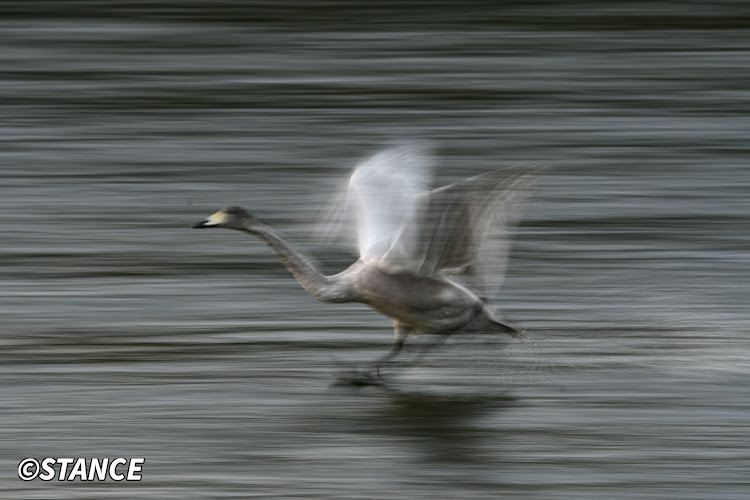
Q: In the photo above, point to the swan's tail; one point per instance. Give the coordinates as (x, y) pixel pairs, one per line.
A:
(503, 328)
(487, 321)
(495, 325)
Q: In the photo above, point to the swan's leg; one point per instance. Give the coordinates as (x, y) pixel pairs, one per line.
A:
(400, 333)
(372, 376)
(423, 351)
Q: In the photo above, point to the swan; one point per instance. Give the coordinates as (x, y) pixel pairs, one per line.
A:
(428, 259)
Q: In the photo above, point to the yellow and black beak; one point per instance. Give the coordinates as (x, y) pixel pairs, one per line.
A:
(214, 220)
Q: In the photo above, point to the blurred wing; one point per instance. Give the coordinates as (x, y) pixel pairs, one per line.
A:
(336, 219)
(385, 192)
(464, 227)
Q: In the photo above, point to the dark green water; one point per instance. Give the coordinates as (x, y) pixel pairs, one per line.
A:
(124, 333)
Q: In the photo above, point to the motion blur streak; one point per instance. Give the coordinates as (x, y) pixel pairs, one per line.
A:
(127, 334)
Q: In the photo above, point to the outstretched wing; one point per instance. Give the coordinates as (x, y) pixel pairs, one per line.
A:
(385, 192)
(463, 228)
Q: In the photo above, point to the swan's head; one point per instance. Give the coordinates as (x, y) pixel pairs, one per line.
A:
(230, 218)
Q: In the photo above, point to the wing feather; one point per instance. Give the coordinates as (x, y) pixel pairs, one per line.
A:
(459, 230)
(464, 226)
(385, 193)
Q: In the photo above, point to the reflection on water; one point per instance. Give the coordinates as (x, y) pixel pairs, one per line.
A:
(127, 334)
(441, 427)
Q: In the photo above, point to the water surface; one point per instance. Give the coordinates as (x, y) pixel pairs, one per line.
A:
(127, 334)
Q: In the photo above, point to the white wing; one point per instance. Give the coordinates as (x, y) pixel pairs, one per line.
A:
(463, 228)
(460, 230)
(385, 192)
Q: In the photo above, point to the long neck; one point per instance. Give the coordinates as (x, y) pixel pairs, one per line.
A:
(322, 287)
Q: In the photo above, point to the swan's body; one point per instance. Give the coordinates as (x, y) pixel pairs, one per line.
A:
(421, 303)
(422, 253)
